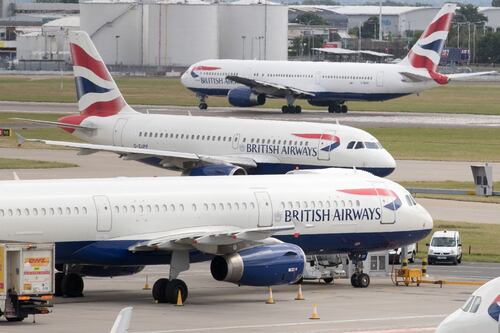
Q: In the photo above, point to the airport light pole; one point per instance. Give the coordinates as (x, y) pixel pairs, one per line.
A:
(243, 47)
(117, 37)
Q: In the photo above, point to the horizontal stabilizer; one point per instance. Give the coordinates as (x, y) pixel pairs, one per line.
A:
(412, 77)
(55, 124)
(466, 76)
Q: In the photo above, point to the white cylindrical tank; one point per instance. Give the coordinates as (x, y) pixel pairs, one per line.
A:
(115, 29)
(253, 31)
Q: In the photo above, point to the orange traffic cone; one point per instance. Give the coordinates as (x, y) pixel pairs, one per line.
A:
(300, 297)
(270, 299)
(314, 315)
(179, 298)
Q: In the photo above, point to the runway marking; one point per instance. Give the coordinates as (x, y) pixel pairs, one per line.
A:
(304, 323)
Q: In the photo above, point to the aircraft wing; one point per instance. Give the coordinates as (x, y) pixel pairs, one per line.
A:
(268, 88)
(207, 239)
(55, 124)
(465, 76)
(166, 156)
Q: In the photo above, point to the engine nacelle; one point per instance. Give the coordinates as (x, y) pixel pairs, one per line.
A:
(216, 170)
(108, 271)
(244, 97)
(264, 265)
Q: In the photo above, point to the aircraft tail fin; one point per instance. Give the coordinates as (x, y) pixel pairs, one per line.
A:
(426, 53)
(97, 92)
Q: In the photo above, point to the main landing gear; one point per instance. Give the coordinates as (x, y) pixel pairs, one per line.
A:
(167, 290)
(337, 108)
(358, 278)
(68, 283)
(291, 109)
(203, 104)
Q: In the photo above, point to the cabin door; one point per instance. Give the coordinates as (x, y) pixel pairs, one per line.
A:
(118, 131)
(104, 215)
(389, 204)
(380, 79)
(265, 208)
(327, 143)
(236, 141)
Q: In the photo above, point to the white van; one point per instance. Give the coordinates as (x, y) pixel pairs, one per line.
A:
(445, 246)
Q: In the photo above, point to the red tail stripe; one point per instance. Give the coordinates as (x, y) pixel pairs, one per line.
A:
(370, 191)
(419, 61)
(441, 24)
(105, 109)
(315, 136)
(205, 68)
(83, 59)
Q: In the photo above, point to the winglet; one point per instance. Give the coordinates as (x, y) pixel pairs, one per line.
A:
(122, 321)
(20, 139)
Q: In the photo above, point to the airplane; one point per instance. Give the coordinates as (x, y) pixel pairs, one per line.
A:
(248, 83)
(480, 313)
(203, 145)
(256, 230)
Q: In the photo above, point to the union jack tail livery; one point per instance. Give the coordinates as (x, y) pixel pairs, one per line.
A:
(97, 92)
(426, 52)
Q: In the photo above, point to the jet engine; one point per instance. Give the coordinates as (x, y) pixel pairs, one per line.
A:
(216, 170)
(261, 266)
(244, 97)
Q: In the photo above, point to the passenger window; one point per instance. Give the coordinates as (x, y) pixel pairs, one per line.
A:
(140, 133)
(205, 206)
(44, 212)
(221, 206)
(181, 207)
(244, 205)
(52, 212)
(161, 135)
(193, 207)
(236, 206)
(1, 213)
(132, 209)
(172, 207)
(59, 211)
(148, 209)
(124, 209)
(350, 145)
(156, 135)
(164, 207)
(304, 203)
(26, 212)
(252, 205)
(358, 203)
(116, 209)
(35, 211)
(359, 145)
(141, 209)
(213, 206)
(157, 209)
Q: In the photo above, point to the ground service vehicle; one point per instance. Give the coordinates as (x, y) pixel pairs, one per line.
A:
(445, 246)
(26, 279)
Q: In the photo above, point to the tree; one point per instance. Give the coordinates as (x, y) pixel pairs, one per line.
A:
(370, 28)
(495, 3)
(470, 13)
(488, 48)
(310, 19)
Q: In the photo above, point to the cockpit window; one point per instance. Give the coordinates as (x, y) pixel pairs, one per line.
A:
(351, 144)
(475, 305)
(359, 145)
(410, 200)
(468, 304)
(372, 145)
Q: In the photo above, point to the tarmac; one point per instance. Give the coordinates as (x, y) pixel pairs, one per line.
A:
(214, 306)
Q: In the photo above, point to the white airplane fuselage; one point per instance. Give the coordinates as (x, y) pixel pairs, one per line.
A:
(276, 146)
(328, 81)
(95, 221)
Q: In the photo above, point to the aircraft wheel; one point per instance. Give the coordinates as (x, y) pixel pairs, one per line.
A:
(331, 109)
(203, 106)
(298, 109)
(158, 290)
(72, 285)
(284, 109)
(337, 108)
(343, 108)
(355, 280)
(172, 290)
(58, 284)
(363, 280)
(328, 280)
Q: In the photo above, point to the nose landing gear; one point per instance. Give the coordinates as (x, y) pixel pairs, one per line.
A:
(203, 104)
(358, 278)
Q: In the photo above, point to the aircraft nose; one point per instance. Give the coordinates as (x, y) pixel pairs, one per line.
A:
(184, 77)
(426, 219)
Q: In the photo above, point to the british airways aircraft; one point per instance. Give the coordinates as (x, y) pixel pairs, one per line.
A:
(480, 313)
(248, 83)
(204, 145)
(255, 230)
